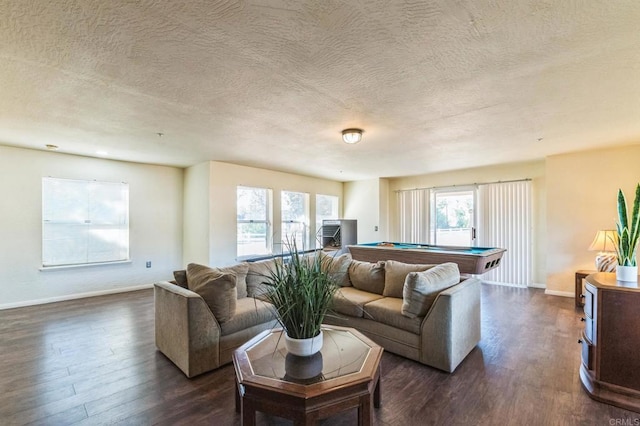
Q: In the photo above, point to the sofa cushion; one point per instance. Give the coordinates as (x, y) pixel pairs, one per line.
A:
(387, 311)
(421, 288)
(350, 301)
(218, 289)
(337, 267)
(395, 273)
(258, 276)
(249, 312)
(367, 276)
(180, 278)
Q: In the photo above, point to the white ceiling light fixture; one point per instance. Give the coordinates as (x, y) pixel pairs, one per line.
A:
(352, 136)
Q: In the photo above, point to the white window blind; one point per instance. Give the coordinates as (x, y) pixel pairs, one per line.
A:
(84, 222)
(413, 211)
(505, 221)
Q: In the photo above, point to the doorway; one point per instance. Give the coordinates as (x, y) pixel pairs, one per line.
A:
(453, 217)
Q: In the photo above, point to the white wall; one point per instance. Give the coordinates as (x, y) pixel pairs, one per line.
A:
(534, 170)
(223, 180)
(196, 212)
(367, 201)
(155, 226)
(582, 199)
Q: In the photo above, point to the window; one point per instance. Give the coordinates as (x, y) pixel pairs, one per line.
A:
(84, 222)
(295, 219)
(253, 214)
(326, 208)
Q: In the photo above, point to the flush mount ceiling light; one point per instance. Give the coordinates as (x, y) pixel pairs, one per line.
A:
(352, 135)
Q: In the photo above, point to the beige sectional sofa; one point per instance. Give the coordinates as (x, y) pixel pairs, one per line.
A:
(427, 313)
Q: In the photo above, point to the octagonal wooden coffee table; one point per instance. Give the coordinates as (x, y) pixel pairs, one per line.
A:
(344, 375)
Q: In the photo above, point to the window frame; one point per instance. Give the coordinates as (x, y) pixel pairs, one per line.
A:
(304, 240)
(266, 221)
(86, 227)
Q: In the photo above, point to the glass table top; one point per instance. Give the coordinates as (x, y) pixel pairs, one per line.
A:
(342, 353)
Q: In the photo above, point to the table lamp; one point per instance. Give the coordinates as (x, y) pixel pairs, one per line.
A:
(603, 243)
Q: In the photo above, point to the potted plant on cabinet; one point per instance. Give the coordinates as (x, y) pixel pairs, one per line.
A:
(301, 292)
(626, 237)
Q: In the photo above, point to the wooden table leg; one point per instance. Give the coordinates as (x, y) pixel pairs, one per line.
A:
(365, 411)
(248, 413)
(238, 402)
(376, 394)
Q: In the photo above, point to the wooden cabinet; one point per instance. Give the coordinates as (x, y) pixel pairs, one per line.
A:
(579, 291)
(610, 368)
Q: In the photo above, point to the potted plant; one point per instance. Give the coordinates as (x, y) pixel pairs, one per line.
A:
(626, 237)
(301, 292)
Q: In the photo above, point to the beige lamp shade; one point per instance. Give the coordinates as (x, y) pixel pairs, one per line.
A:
(604, 244)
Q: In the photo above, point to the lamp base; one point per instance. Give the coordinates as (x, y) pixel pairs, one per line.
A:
(606, 262)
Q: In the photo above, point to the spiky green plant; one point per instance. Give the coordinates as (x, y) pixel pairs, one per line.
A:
(301, 292)
(626, 238)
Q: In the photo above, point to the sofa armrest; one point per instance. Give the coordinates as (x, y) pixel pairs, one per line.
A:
(451, 328)
(185, 329)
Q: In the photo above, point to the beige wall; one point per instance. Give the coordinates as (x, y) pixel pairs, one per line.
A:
(219, 224)
(582, 198)
(367, 201)
(197, 211)
(155, 230)
(533, 170)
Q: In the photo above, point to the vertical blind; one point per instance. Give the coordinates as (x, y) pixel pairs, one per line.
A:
(504, 219)
(413, 210)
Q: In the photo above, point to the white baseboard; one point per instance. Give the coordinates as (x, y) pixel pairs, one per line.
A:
(538, 285)
(73, 296)
(532, 285)
(560, 293)
(503, 284)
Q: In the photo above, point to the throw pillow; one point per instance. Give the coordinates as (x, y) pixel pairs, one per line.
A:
(422, 288)
(218, 289)
(367, 276)
(337, 267)
(395, 273)
(258, 276)
(240, 270)
(181, 278)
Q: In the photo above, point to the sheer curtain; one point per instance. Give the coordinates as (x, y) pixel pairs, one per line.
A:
(504, 220)
(413, 212)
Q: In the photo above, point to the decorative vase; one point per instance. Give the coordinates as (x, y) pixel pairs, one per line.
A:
(303, 347)
(627, 273)
(303, 367)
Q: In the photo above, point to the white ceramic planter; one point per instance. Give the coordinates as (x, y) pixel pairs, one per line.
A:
(303, 347)
(627, 273)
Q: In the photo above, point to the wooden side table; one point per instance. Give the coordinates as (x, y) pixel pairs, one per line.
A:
(580, 275)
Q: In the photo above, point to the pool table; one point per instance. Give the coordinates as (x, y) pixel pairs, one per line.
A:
(470, 260)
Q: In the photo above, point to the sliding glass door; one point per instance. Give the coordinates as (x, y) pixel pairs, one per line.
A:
(453, 217)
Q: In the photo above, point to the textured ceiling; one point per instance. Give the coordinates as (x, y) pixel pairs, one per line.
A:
(436, 85)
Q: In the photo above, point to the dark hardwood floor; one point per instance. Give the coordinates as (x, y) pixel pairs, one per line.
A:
(93, 361)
